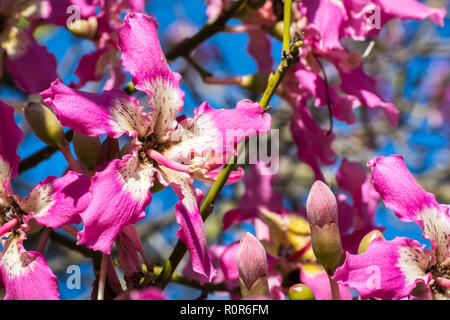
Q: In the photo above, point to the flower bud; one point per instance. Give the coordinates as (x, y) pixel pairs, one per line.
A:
(256, 82)
(300, 291)
(367, 240)
(277, 30)
(87, 149)
(322, 212)
(44, 124)
(321, 205)
(84, 29)
(252, 267)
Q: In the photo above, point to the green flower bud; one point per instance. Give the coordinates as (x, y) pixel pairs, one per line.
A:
(256, 82)
(367, 240)
(87, 149)
(277, 30)
(301, 292)
(322, 212)
(327, 247)
(45, 125)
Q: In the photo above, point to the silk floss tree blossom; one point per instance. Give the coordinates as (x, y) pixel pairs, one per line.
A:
(172, 150)
(393, 269)
(55, 202)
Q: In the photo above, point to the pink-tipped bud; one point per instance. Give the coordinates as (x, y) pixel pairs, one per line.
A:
(252, 267)
(321, 206)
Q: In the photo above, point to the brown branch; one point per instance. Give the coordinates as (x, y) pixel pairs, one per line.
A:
(41, 155)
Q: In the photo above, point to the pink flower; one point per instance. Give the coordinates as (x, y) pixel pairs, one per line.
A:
(105, 59)
(259, 195)
(22, 51)
(356, 219)
(315, 277)
(53, 203)
(174, 150)
(392, 269)
(357, 25)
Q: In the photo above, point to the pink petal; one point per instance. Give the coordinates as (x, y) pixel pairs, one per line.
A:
(129, 247)
(260, 48)
(347, 213)
(276, 284)
(313, 145)
(219, 131)
(147, 294)
(211, 176)
(388, 270)
(358, 84)
(192, 231)
(213, 9)
(307, 82)
(25, 274)
(56, 202)
(239, 215)
(410, 9)
(120, 193)
(228, 262)
(401, 193)
(316, 278)
(259, 189)
(143, 58)
(358, 10)
(91, 67)
(324, 18)
(10, 137)
(215, 252)
(21, 63)
(259, 194)
(112, 112)
(352, 177)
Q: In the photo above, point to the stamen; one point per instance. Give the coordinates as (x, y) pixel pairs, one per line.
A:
(8, 226)
(158, 157)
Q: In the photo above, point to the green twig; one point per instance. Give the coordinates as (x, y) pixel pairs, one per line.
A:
(287, 25)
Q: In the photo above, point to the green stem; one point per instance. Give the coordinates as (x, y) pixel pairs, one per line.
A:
(335, 294)
(207, 206)
(287, 24)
